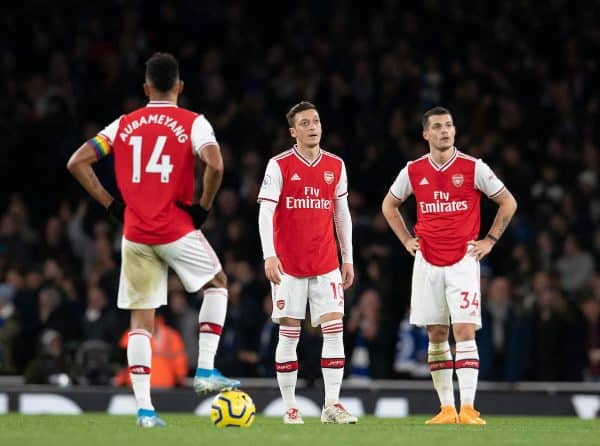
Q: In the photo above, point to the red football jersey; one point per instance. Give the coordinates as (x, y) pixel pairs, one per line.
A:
(448, 203)
(303, 222)
(154, 150)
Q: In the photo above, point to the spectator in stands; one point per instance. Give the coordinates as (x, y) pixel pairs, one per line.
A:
(505, 337)
(10, 330)
(575, 266)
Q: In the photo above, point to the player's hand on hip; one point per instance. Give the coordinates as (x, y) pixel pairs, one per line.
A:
(479, 248)
(116, 211)
(412, 245)
(197, 212)
(347, 275)
(273, 269)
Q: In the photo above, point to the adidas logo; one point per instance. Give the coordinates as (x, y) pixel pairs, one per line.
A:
(423, 182)
(295, 177)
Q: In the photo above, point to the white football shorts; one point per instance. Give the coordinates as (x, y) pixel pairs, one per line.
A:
(441, 294)
(324, 293)
(144, 269)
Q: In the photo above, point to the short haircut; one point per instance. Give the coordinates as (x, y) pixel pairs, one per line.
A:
(299, 107)
(435, 111)
(162, 71)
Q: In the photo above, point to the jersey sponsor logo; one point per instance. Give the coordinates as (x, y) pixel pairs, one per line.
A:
(328, 176)
(423, 182)
(280, 304)
(442, 203)
(295, 177)
(311, 200)
(458, 179)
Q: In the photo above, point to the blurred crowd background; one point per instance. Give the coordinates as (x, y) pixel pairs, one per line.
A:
(520, 80)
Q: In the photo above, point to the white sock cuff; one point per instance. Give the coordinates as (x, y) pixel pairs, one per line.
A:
(288, 331)
(141, 332)
(214, 306)
(467, 349)
(332, 327)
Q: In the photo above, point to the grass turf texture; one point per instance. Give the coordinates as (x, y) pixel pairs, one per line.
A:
(183, 429)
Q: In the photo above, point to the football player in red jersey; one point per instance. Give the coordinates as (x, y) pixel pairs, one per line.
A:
(303, 196)
(447, 185)
(154, 149)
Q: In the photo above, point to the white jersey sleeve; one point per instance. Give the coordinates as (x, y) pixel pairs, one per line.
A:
(272, 183)
(110, 131)
(341, 189)
(202, 134)
(486, 181)
(401, 188)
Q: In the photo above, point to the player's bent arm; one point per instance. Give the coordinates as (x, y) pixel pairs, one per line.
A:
(213, 174)
(80, 166)
(507, 206)
(390, 208)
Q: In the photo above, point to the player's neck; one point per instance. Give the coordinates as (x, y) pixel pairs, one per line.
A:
(441, 156)
(164, 98)
(308, 153)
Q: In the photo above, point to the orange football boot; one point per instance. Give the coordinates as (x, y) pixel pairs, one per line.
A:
(447, 415)
(468, 415)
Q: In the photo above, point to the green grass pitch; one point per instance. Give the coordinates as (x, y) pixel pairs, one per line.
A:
(183, 430)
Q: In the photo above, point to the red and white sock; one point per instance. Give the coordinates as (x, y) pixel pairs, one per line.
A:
(439, 358)
(286, 364)
(139, 359)
(333, 360)
(210, 325)
(467, 370)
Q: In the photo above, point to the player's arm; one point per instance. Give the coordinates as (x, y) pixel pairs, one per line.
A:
(391, 211)
(488, 183)
(205, 146)
(343, 227)
(268, 197)
(507, 206)
(80, 166)
(213, 174)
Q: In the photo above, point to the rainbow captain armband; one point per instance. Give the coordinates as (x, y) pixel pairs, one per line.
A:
(100, 145)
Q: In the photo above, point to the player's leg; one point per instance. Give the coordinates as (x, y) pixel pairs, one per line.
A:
(142, 289)
(463, 293)
(326, 298)
(289, 309)
(210, 326)
(198, 267)
(441, 366)
(429, 308)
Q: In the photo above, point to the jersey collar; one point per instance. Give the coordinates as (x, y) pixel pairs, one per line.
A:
(304, 160)
(161, 104)
(446, 164)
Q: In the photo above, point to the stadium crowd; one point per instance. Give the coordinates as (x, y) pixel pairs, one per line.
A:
(521, 81)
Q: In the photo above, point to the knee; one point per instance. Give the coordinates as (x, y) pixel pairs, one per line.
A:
(438, 333)
(464, 332)
(219, 281)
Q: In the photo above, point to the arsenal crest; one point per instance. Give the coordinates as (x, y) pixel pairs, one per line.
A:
(458, 179)
(280, 304)
(328, 176)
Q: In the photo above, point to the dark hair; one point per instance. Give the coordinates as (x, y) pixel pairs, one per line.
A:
(162, 71)
(299, 107)
(435, 111)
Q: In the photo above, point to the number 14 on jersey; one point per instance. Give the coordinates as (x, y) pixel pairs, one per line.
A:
(164, 167)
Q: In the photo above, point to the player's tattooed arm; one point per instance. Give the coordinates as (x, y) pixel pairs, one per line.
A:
(507, 206)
